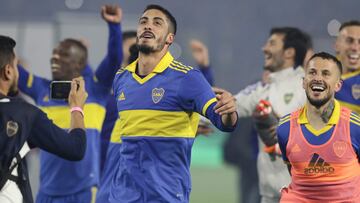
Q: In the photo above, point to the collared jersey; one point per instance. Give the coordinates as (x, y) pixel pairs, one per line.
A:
(159, 115)
(349, 94)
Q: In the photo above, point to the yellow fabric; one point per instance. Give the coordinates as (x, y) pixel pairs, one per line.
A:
(116, 133)
(206, 106)
(335, 116)
(30, 81)
(349, 75)
(157, 123)
(94, 115)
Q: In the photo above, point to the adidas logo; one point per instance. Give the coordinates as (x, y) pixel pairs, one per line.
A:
(122, 96)
(318, 165)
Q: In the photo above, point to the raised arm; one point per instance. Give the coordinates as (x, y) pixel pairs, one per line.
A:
(200, 54)
(30, 84)
(111, 63)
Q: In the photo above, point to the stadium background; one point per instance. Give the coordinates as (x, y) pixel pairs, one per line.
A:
(234, 31)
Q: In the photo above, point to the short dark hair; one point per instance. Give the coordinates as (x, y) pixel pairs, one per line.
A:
(79, 45)
(327, 56)
(128, 34)
(170, 17)
(7, 54)
(294, 38)
(349, 23)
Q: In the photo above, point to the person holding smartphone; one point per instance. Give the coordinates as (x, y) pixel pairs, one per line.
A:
(24, 126)
(62, 180)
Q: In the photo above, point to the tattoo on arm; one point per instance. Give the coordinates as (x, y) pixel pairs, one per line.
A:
(326, 114)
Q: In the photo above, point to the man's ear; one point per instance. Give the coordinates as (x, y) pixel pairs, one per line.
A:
(170, 38)
(6, 72)
(289, 53)
(338, 85)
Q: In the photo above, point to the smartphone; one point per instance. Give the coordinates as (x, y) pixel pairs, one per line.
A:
(60, 90)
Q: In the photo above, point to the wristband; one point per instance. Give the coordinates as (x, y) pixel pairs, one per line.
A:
(76, 108)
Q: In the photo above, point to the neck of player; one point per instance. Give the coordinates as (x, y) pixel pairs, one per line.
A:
(147, 62)
(319, 117)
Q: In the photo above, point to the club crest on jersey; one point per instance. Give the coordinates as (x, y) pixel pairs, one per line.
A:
(157, 94)
(12, 128)
(355, 90)
(288, 97)
(340, 148)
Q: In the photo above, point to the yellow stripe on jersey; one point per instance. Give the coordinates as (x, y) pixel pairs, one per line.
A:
(355, 118)
(355, 122)
(156, 123)
(207, 104)
(94, 115)
(178, 69)
(285, 120)
(180, 65)
(349, 75)
(121, 70)
(116, 132)
(30, 81)
(353, 107)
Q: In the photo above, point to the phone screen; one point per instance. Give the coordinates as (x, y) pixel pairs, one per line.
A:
(59, 90)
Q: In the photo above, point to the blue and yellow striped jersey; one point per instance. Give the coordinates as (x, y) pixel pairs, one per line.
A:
(159, 115)
(59, 176)
(349, 94)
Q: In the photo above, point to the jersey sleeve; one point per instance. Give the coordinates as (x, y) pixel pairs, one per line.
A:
(248, 98)
(355, 132)
(196, 95)
(283, 131)
(49, 137)
(110, 64)
(30, 84)
(208, 74)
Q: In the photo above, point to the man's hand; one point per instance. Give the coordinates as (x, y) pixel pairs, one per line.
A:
(78, 94)
(226, 107)
(111, 13)
(199, 52)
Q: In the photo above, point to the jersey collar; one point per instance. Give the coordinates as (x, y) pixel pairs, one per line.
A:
(335, 116)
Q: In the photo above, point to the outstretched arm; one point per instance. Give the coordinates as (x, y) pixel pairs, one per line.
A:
(111, 63)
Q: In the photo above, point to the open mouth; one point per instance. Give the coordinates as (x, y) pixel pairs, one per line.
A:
(318, 87)
(55, 67)
(147, 35)
(267, 55)
(353, 58)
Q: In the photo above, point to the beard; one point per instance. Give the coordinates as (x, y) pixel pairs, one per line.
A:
(146, 49)
(277, 63)
(13, 91)
(318, 102)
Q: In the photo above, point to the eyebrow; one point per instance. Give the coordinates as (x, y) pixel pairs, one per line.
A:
(155, 18)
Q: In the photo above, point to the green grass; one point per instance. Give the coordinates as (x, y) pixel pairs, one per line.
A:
(214, 185)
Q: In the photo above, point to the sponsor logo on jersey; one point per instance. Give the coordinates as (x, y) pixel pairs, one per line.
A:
(317, 165)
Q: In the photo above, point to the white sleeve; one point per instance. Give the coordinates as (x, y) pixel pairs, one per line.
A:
(246, 101)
